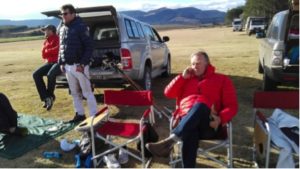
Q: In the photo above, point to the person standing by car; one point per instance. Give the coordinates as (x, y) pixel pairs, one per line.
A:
(206, 101)
(74, 57)
(50, 68)
(9, 118)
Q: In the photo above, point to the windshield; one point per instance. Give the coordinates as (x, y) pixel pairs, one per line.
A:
(258, 22)
(105, 34)
(237, 22)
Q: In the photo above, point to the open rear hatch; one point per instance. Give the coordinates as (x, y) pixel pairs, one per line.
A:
(86, 12)
(292, 39)
(104, 17)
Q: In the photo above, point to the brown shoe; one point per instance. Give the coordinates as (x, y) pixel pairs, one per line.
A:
(161, 148)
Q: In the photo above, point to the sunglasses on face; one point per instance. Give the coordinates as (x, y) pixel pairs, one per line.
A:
(65, 13)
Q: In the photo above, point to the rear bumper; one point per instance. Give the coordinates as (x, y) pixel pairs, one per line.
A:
(237, 28)
(103, 78)
(256, 30)
(290, 74)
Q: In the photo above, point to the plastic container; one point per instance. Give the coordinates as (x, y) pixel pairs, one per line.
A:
(48, 154)
(77, 161)
(88, 161)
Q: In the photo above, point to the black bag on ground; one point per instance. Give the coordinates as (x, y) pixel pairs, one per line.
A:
(149, 136)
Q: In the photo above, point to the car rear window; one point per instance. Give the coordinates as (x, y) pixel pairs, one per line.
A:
(131, 29)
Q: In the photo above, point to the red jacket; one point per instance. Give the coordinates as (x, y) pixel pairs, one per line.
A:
(213, 89)
(50, 49)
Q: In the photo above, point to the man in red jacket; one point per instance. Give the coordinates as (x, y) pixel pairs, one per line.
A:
(50, 69)
(206, 101)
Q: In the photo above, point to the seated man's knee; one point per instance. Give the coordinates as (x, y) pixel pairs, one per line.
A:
(36, 75)
(51, 76)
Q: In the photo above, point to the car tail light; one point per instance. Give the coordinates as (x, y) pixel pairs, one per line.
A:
(126, 59)
(277, 58)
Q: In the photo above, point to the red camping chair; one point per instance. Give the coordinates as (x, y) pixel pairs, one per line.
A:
(132, 130)
(262, 136)
(224, 140)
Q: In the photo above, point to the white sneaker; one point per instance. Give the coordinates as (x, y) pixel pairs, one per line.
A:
(111, 161)
(123, 157)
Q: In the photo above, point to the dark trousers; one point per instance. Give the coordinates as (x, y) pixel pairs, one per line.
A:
(8, 116)
(192, 128)
(51, 70)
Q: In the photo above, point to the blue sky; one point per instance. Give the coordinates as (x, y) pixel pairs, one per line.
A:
(31, 9)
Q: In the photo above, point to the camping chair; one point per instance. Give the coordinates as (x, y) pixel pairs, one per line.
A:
(132, 130)
(262, 136)
(223, 141)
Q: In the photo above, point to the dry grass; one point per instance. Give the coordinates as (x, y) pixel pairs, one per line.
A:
(233, 53)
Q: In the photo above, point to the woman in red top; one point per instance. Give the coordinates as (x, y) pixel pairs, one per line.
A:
(50, 69)
(206, 101)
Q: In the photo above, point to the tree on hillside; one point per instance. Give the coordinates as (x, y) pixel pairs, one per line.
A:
(266, 8)
(233, 13)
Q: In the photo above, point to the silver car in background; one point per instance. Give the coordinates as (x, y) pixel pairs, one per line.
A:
(136, 46)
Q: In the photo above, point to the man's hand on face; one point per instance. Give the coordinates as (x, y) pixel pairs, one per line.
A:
(187, 73)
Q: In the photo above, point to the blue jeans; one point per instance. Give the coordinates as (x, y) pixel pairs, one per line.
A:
(51, 70)
(192, 128)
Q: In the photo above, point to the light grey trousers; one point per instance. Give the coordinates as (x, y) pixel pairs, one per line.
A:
(80, 85)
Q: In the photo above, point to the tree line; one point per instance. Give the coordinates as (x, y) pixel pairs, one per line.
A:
(265, 8)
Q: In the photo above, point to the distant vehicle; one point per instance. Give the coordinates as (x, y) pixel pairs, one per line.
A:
(255, 24)
(237, 25)
(135, 45)
(279, 51)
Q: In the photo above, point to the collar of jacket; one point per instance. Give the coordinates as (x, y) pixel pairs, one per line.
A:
(51, 37)
(73, 22)
(210, 69)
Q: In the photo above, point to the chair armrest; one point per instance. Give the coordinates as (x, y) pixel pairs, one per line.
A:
(146, 113)
(261, 116)
(262, 135)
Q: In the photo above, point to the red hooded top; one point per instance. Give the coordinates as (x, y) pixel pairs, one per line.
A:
(50, 49)
(212, 89)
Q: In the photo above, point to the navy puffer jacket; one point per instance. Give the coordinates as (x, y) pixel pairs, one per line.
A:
(75, 43)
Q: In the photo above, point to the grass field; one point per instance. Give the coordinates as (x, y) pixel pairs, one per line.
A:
(233, 53)
(18, 39)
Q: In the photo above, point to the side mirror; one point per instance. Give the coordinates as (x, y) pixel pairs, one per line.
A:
(166, 38)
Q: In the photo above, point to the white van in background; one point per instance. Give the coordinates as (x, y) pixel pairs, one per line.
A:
(237, 24)
(255, 24)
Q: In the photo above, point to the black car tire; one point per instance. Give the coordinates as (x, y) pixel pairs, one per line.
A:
(268, 83)
(146, 82)
(260, 68)
(167, 72)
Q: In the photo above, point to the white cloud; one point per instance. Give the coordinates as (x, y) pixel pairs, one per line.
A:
(31, 9)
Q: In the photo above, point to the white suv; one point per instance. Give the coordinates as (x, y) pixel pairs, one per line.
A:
(279, 51)
(139, 48)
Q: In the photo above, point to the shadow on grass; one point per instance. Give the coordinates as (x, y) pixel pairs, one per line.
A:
(242, 122)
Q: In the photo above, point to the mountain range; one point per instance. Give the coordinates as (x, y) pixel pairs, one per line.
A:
(161, 16)
(189, 16)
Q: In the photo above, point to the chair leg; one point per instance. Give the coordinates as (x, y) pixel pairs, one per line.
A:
(176, 156)
(229, 146)
(229, 156)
